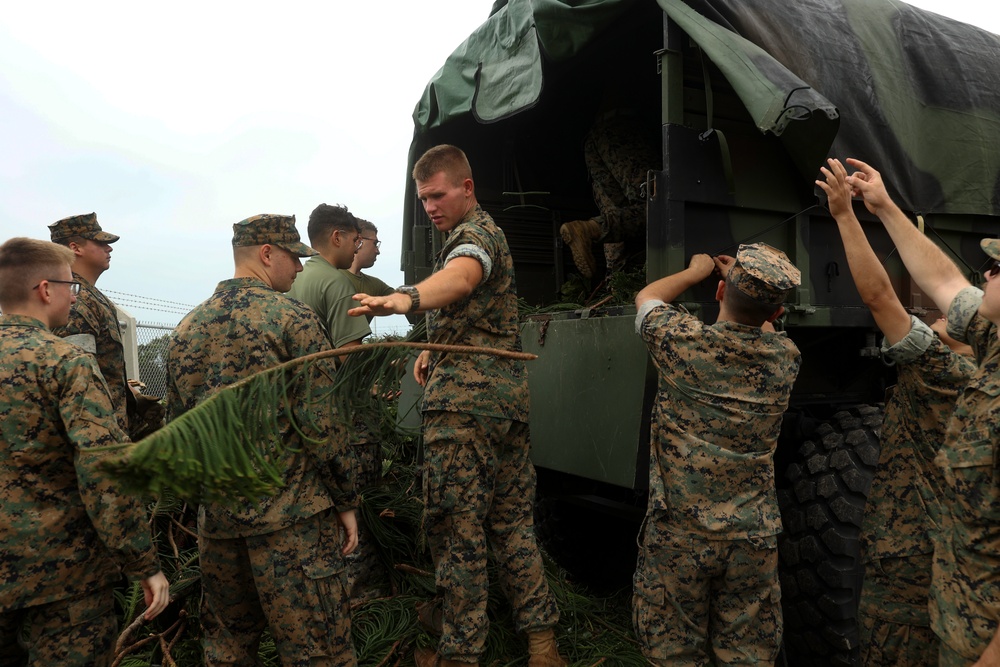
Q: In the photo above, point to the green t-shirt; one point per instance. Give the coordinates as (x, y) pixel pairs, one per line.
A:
(328, 291)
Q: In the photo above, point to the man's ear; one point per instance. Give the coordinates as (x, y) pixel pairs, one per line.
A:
(76, 248)
(720, 291)
(778, 313)
(264, 253)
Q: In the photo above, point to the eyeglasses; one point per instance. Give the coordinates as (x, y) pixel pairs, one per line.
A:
(377, 243)
(358, 242)
(74, 287)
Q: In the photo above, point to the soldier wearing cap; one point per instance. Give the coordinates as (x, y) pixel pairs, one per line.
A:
(93, 321)
(66, 534)
(277, 563)
(965, 591)
(706, 585)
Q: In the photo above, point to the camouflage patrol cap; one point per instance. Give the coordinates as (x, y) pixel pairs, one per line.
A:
(764, 273)
(84, 225)
(991, 247)
(273, 229)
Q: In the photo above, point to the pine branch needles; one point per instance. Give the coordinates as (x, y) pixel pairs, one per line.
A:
(233, 446)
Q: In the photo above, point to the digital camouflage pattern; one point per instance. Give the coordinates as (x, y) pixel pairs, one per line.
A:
(764, 273)
(85, 226)
(75, 632)
(707, 572)
(682, 616)
(619, 150)
(479, 486)
(326, 290)
(298, 593)
(904, 505)
(892, 613)
(65, 530)
(243, 328)
(723, 389)
(478, 482)
(93, 314)
(479, 385)
(965, 592)
(273, 229)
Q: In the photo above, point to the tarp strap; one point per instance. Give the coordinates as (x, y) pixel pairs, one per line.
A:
(724, 154)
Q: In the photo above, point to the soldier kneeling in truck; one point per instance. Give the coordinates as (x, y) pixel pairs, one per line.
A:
(706, 584)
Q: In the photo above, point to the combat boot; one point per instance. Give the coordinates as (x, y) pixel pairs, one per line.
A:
(425, 657)
(543, 650)
(579, 235)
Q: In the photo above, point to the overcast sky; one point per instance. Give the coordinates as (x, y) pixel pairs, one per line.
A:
(175, 120)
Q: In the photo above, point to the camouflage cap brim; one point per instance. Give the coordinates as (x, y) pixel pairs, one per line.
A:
(991, 247)
(298, 249)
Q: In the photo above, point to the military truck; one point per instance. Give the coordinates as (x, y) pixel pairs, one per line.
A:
(746, 99)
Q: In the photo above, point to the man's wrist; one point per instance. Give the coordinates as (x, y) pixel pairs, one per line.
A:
(410, 291)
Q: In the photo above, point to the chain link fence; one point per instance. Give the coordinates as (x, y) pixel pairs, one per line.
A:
(152, 341)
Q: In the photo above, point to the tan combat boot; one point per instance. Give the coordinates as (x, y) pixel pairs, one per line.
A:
(430, 616)
(579, 235)
(425, 657)
(543, 650)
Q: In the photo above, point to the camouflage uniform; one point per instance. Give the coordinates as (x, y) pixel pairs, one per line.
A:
(328, 291)
(66, 534)
(478, 482)
(903, 508)
(618, 154)
(706, 583)
(94, 315)
(965, 591)
(276, 563)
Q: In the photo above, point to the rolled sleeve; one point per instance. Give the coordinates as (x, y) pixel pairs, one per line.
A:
(475, 252)
(644, 310)
(963, 310)
(912, 346)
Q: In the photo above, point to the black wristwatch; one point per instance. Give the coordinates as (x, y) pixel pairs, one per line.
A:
(410, 291)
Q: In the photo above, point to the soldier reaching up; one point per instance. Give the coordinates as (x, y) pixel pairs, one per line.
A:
(904, 505)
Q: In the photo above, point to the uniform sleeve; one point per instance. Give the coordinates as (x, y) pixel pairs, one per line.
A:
(89, 420)
(912, 346)
(966, 325)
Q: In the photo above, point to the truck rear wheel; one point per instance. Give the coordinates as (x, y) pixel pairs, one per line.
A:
(822, 507)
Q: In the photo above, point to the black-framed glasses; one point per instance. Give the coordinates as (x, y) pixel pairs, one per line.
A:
(377, 243)
(74, 287)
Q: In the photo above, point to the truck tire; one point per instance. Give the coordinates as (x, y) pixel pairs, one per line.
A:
(822, 506)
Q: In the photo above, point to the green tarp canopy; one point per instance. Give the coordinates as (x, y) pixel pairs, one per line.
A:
(917, 95)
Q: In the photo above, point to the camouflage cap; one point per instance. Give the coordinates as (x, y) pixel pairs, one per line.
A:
(991, 247)
(764, 273)
(273, 229)
(84, 225)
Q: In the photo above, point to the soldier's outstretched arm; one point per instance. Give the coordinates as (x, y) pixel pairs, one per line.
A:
(670, 287)
(869, 275)
(454, 282)
(931, 269)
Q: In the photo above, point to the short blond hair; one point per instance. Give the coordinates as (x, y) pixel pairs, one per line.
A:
(26, 262)
(444, 157)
